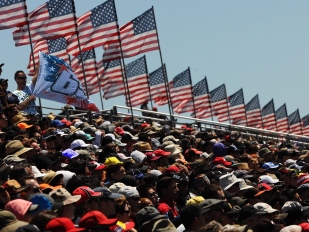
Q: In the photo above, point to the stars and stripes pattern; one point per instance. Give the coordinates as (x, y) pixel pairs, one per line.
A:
(282, 119)
(295, 123)
(219, 103)
(138, 82)
(201, 100)
(12, 13)
(157, 86)
(111, 77)
(96, 28)
(237, 110)
(137, 37)
(305, 125)
(53, 19)
(56, 47)
(181, 92)
(253, 112)
(89, 61)
(268, 116)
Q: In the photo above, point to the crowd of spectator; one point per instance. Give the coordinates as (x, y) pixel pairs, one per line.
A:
(72, 174)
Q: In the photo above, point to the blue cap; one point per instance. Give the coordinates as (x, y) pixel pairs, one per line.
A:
(56, 123)
(270, 165)
(69, 153)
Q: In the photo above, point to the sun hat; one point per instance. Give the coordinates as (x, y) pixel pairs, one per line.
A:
(50, 175)
(15, 147)
(37, 172)
(206, 204)
(243, 174)
(114, 188)
(95, 218)
(61, 224)
(86, 194)
(19, 118)
(12, 159)
(63, 196)
(243, 185)
(143, 146)
(9, 222)
(228, 180)
(173, 149)
(170, 138)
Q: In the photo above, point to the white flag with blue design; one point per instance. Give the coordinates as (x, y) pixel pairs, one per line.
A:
(57, 82)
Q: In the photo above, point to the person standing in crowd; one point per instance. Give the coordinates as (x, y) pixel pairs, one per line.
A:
(24, 93)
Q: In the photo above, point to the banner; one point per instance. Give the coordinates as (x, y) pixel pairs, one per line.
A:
(57, 82)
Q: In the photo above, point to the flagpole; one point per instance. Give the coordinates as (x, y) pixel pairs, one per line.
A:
(123, 70)
(244, 106)
(261, 113)
(275, 114)
(170, 108)
(192, 93)
(99, 81)
(287, 117)
(301, 129)
(227, 105)
(32, 54)
(212, 116)
(79, 47)
(148, 82)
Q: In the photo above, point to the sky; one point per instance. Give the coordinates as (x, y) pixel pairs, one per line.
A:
(260, 46)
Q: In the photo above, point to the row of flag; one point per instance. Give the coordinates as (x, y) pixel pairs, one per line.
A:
(54, 29)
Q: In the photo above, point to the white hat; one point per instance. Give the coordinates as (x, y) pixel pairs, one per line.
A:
(228, 180)
(77, 124)
(243, 185)
(129, 191)
(79, 143)
(119, 143)
(155, 172)
(268, 179)
(170, 138)
(292, 204)
(261, 206)
(67, 175)
(37, 172)
(116, 187)
(111, 135)
(138, 156)
(173, 149)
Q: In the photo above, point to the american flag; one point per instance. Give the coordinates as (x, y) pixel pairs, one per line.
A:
(90, 68)
(253, 110)
(268, 116)
(237, 108)
(219, 103)
(56, 47)
(110, 74)
(53, 19)
(181, 92)
(96, 28)
(157, 86)
(305, 125)
(282, 119)
(295, 123)
(138, 82)
(12, 13)
(201, 100)
(137, 37)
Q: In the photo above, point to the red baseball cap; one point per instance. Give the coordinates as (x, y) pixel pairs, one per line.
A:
(94, 218)
(67, 122)
(119, 130)
(62, 224)
(161, 152)
(86, 194)
(100, 167)
(221, 160)
(172, 169)
(196, 152)
(151, 156)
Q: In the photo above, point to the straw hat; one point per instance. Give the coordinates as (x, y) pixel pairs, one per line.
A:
(19, 118)
(15, 147)
(143, 146)
(50, 176)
